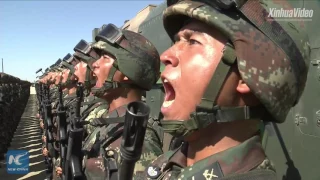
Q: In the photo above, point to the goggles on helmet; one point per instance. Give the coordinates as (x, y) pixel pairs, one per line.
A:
(110, 33)
(82, 47)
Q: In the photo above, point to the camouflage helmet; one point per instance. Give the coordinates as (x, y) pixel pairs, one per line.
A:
(272, 56)
(134, 55)
(84, 52)
(67, 63)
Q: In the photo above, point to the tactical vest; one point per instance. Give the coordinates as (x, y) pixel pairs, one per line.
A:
(92, 104)
(97, 164)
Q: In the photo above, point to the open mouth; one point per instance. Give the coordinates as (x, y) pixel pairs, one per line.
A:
(170, 94)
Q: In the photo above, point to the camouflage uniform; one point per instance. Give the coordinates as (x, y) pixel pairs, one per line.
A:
(69, 101)
(271, 64)
(142, 67)
(96, 110)
(102, 139)
(247, 156)
(92, 106)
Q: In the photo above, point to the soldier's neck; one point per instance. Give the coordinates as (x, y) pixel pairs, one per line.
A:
(123, 97)
(72, 90)
(219, 137)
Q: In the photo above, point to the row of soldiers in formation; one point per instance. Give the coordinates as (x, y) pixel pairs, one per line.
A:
(14, 94)
(83, 100)
(223, 78)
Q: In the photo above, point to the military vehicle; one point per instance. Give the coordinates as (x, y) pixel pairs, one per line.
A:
(294, 145)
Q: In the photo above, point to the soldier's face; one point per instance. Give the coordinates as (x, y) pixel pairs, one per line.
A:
(65, 75)
(49, 77)
(80, 71)
(58, 78)
(76, 74)
(101, 69)
(42, 80)
(189, 66)
(53, 77)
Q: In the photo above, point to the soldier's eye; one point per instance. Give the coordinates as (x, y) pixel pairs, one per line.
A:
(193, 42)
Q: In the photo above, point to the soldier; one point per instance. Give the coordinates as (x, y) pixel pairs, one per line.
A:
(229, 70)
(39, 90)
(49, 153)
(6, 113)
(13, 98)
(68, 84)
(93, 107)
(126, 69)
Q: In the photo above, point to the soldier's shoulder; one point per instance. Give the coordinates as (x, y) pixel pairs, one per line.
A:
(152, 142)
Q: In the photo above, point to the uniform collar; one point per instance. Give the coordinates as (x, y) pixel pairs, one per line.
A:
(238, 159)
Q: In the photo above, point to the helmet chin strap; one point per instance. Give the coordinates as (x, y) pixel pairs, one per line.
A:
(69, 81)
(89, 82)
(109, 84)
(71, 72)
(207, 112)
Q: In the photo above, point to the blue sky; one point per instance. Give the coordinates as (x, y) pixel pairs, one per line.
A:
(35, 34)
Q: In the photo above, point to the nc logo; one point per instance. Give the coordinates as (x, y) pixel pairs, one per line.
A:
(15, 159)
(17, 162)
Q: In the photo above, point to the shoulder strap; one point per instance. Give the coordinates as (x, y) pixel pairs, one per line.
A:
(107, 121)
(167, 138)
(87, 111)
(70, 97)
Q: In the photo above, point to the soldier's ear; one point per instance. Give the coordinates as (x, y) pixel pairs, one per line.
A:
(242, 87)
(119, 76)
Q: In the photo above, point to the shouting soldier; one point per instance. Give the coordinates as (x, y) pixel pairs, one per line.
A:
(231, 68)
(128, 66)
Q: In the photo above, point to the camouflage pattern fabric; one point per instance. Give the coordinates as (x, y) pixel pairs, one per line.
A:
(87, 99)
(68, 101)
(272, 59)
(95, 107)
(247, 156)
(95, 113)
(93, 163)
(56, 165)
(277, 63)
(135, 51)
(54, 95)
